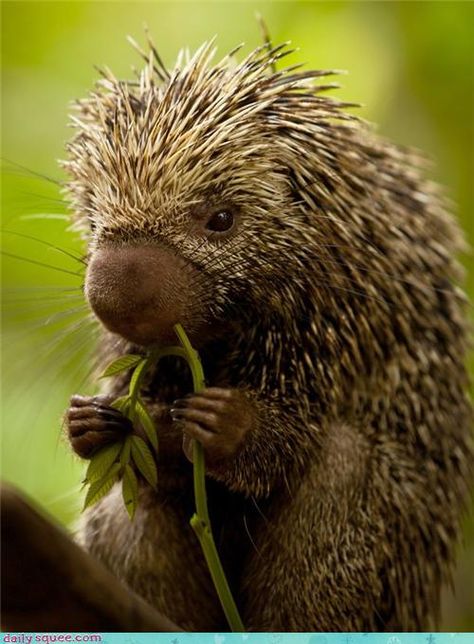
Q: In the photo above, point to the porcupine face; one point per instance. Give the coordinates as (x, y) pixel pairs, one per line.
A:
(179, 185)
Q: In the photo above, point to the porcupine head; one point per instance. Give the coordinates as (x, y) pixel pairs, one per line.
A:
(197, 192)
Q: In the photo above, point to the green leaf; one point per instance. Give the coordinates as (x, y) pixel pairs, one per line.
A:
(130, 490)
(143, 459)
(101, 462)
(136, 378)
(125, 453)
(100, 488)
(122, 404)
(128, 361)
(147, 423)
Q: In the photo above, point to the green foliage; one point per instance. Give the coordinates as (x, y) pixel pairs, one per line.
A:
(130, 490)
(102, 486)
(146, 422)
(115, 462)
(102, 462)
(143, 459)
(124, 363)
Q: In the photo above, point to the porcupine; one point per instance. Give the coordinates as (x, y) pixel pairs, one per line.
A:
(314, 268)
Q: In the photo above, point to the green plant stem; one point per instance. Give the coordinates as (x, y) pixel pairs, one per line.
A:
(138, 374)
(142, 368)
(200, 521)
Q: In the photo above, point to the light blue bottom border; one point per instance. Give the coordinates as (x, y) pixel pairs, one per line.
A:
(238, 638)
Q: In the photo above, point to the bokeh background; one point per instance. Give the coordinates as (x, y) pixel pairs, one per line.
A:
(410, 64)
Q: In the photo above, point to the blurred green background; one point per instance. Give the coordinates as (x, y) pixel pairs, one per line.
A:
(410, 64)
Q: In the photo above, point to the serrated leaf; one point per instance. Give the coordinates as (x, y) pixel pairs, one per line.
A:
(128, 361)
(125, 453)
(101, 462)
(136, 377)
(130, 490)
(100, 488)
(143, 459)
(147, 423)
(121, 404)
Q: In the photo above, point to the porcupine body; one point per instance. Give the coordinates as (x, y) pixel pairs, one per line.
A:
(331, 305)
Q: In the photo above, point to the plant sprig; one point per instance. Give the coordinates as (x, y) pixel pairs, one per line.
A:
(119, 460)
(200, 521)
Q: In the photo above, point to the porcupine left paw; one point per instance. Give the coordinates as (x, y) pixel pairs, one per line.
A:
(92, 423)
(218, 418)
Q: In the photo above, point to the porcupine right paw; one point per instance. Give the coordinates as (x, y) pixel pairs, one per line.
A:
(92, 423)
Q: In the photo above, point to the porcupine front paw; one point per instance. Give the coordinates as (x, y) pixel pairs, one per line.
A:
(218, 418)
(92, 423)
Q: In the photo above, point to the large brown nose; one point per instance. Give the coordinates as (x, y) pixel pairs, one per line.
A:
(137, 291)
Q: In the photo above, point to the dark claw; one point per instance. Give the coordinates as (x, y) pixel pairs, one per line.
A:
(112, 414)
(181, 402)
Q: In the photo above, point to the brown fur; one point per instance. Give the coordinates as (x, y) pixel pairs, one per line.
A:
(348, 334)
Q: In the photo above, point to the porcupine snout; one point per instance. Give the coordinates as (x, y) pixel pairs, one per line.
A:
(137, 291)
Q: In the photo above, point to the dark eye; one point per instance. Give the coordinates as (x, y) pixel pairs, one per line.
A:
(221, 221)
